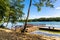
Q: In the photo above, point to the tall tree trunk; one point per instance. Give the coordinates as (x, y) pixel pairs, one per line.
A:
(12, 26)
(8, 21)
(27, 16)
(7, 24)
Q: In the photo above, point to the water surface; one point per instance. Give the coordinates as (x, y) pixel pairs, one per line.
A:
(51, 24)
(45, 33)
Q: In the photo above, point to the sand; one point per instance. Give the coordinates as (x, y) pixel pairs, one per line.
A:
(6, 34)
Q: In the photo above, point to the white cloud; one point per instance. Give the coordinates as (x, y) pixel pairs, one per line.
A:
(57, 7)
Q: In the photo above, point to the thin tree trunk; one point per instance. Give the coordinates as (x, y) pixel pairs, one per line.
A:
(27, 16)
(12, 26)
(7, 22)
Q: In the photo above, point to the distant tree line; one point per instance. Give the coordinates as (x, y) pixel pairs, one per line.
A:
(42, 19)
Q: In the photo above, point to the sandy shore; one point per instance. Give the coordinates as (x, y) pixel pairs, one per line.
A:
(11, 35)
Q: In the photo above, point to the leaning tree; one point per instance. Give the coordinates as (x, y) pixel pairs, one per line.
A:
(15, 11)
(4, 5)
(39, 4)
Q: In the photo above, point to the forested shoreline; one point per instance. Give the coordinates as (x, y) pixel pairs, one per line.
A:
(42, 19)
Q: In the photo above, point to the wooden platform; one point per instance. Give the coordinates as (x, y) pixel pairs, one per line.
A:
(49, 28)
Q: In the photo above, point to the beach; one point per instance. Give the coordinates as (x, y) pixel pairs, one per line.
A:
(6, 34)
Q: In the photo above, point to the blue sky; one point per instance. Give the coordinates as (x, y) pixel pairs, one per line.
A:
(45, 11)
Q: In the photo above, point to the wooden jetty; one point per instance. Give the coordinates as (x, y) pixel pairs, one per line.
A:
(49, 28)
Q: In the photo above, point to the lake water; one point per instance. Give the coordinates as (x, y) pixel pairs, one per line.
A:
(45, 33)
(51, 24)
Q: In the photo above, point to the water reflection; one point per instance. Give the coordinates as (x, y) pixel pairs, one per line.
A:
(51, 24)
(45, 33)
(10, 24)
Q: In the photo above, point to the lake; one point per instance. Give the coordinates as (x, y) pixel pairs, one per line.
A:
(51, 24)
(45, 33)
